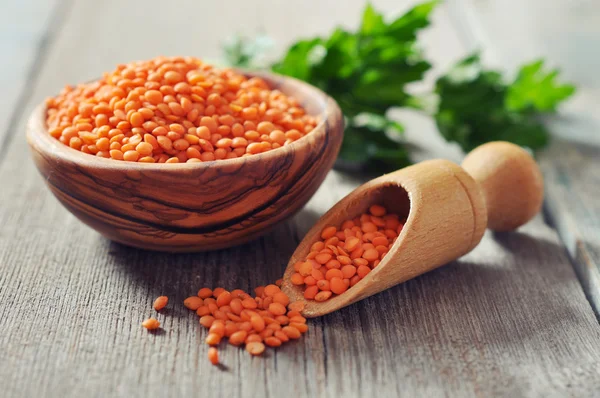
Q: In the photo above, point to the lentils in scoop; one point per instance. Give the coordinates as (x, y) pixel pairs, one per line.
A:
(343, 256)
(175, 110)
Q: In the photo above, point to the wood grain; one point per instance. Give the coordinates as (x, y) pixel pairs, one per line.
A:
(570, 165)
(27, 28)
(509, 319)
(511, 183)
(193, 207)
(573, 208)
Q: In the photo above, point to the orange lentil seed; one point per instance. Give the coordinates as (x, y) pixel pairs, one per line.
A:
(301, 327)
(224, 299)
(296, 306)
(207, 321)
(160, 303)
(213, 355)
(151, 324)
(238, 338)
(213, 339)
(272, 342)
(277, 309)
(205, 293)
(271, 290)
(192, 303)
(203, 310)
(255, 347)
(328, 232)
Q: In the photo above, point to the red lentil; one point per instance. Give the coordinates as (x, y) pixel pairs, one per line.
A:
(291, 332)
(160, 303)
(281, 336)
(272, 342)
(342, 257)
(207, 321)
(151, 324)
(255, 347)
(238, 337)
(213, 339)
(301, 327)
(175, 109)
(296, 306)
(193, 303)
(205, 293)
(203, 310)
(213, 355)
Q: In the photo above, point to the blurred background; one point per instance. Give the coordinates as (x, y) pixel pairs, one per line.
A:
(89, 37)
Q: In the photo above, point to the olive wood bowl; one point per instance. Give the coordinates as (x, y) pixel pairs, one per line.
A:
(187, 207)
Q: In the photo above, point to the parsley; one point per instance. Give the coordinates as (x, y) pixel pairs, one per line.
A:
(476, 105)
(367, 70)
(245, 53)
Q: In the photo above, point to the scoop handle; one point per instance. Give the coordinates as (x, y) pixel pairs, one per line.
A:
(511, 183)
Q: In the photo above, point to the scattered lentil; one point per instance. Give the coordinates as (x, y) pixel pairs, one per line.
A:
(193, 302)
(267, 319)
(213, 355)
(151, 324)
(160, 303)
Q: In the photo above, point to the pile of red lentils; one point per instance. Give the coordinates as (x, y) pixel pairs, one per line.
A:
(336, 262)
(345, 255)
(268, 319)
(175, 110)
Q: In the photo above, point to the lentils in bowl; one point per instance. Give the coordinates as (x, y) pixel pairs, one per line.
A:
(222, 158)
(175, 110)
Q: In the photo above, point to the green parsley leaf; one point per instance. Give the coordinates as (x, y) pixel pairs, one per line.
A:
(476, 105)
(366, 72)
(301, 59)
(533, 90)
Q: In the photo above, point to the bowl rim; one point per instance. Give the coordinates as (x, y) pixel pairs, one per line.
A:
(39, 138)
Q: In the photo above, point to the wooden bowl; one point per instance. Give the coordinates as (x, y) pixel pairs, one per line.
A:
(192, 206)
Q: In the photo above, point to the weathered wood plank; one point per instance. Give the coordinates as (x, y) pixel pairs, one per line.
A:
(495, 26)
(570, 165)
(508, 319)
(573, 207)
(26, 30)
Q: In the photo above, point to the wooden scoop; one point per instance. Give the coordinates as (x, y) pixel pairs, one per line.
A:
(448, 208)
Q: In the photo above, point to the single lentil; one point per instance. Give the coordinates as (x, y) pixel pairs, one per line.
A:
(193, 302)
(151, 324)
(255, 347)
(213, 355)
(160, 303)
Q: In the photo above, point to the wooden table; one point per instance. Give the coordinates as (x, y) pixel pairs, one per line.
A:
(516, 317)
